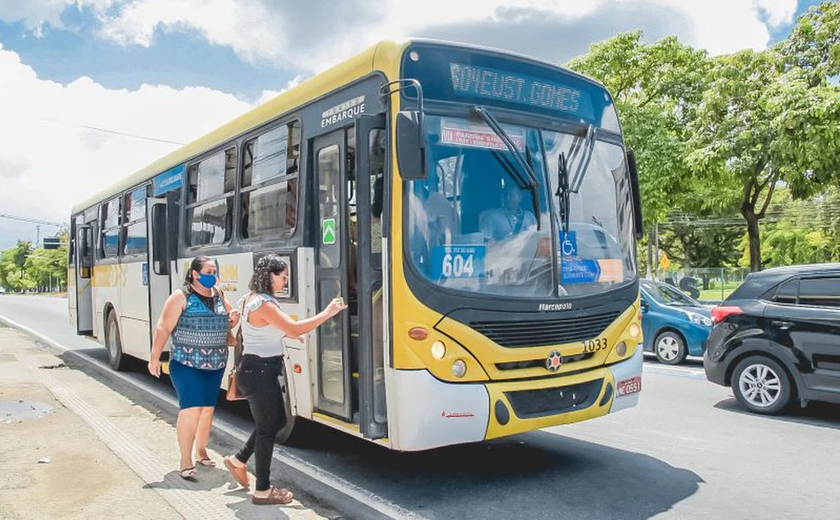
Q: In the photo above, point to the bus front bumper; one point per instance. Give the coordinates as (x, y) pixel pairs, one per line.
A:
(433, 413)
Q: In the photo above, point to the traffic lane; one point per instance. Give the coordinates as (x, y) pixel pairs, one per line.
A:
(683, 451)
(46, 314)
(676, 454)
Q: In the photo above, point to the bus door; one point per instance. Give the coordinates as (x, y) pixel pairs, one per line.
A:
(370, 202)
(157, 273)
(84, 276)
(334, 390)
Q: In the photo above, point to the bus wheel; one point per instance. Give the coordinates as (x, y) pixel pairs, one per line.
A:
(113, 343)
(288, 434)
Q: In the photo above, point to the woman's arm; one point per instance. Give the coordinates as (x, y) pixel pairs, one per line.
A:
(294, 328)
(233, 312)
(166, 324)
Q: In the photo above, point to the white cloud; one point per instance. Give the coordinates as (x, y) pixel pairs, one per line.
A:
(35, 15)
(49, 162)
(269, 94)
(314, 34)
(779, 12)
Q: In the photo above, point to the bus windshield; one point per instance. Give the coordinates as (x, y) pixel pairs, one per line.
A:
(472, 224)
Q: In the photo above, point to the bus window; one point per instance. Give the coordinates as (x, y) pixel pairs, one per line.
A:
(270, 183)
(377, 193)
(134, 229)
(211, 186)
(110, 226)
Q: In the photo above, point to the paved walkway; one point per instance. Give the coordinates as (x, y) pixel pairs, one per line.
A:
(70, 447)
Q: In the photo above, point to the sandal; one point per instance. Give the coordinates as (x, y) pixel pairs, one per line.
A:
(275, 497)
(239, 473)
(207, 462)
(188, 473)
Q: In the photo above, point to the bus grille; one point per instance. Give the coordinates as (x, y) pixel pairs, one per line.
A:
(529, 404)
(539, 333)
(540, 363)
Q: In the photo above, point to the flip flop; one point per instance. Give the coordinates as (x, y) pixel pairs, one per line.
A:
(188, 473)
(207, 462)
(275, 497)
(239, 473)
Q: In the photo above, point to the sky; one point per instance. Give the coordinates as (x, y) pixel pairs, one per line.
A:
(92, 90)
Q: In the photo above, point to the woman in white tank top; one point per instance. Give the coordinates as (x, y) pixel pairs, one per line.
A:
(264, 325)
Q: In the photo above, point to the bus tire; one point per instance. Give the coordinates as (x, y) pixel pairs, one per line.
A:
(113, 344)
(289, 433)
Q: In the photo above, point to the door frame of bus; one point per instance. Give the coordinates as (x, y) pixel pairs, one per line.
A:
(158, 277)
(84, 272)
(325, 274)
(368, 275)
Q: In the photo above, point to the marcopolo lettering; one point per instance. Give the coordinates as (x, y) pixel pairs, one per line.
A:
(555, 306)
(347, 110)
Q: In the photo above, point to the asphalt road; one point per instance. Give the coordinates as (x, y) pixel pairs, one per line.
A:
(686, 452)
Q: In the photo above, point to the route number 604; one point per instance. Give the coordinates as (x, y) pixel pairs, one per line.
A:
(457, 266)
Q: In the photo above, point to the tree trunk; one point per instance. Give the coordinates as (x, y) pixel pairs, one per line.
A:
(754, 238)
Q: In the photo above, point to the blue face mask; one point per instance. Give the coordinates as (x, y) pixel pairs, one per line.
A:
(207, 280)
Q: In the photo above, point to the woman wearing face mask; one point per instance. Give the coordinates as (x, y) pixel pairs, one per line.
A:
(264, 325)
(198, 318)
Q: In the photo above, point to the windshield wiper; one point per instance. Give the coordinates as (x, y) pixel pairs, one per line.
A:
(563, 190)
(533, 182)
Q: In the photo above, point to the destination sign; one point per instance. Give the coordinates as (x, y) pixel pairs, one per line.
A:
(522, 89)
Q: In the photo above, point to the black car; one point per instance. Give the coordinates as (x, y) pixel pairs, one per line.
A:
(776, 339)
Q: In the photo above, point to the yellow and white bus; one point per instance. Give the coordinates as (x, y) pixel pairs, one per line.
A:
(477, 209)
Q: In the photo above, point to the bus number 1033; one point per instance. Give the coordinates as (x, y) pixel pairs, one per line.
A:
(595, 345)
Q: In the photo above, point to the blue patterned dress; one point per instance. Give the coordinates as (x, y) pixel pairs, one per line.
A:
(199, 351)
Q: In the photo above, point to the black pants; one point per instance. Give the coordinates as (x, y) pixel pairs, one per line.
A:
(257, 378)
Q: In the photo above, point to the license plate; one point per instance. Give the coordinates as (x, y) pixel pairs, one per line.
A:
(629, 386)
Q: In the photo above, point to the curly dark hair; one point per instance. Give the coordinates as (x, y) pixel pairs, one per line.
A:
(266, 266)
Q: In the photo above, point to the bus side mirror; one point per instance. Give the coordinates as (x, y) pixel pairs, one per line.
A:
(637, 194)
(411, 148)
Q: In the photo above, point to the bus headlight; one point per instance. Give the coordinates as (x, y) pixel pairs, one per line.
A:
(635, 331)
(459, 368)
(438, 350)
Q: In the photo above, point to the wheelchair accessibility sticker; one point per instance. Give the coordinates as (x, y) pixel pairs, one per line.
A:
(574, 269)
(462, 262)
(568, 244)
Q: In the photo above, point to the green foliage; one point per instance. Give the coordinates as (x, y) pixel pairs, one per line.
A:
(656, 88)
(23, 268)
(759, 125)
(702, 247)
(813, 48)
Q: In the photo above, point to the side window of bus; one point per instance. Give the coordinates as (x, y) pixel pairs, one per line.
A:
(109, 224)
(210, 199)
(134, 222)
(271, 164)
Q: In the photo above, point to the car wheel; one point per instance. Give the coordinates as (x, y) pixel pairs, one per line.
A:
(113, 344)
(670, 348)
(761, 385)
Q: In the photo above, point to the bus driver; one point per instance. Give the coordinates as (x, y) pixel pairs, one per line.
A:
(501, 223)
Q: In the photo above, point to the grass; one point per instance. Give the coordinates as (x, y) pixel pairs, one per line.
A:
(715, 295)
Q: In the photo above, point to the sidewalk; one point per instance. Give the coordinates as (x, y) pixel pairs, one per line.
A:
(102, 456)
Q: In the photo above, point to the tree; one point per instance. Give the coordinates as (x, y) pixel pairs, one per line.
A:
(656, 88)
(813, 48)
(758, 125)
